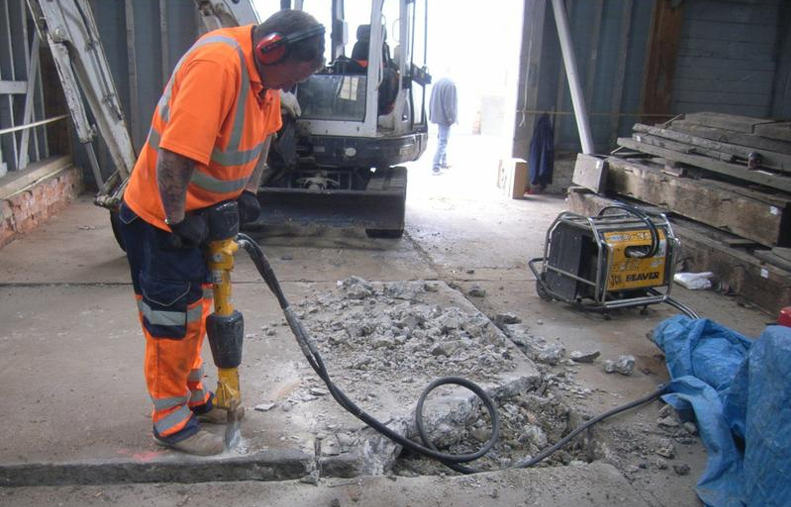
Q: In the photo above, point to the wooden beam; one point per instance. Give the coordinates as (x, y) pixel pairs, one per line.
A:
(744, 124)
(769, 159)
(778, 130)
(734, 171)
(661, 58)
(730, 136)
(749, 214)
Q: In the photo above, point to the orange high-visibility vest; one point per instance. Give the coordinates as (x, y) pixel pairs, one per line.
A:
(215, 111)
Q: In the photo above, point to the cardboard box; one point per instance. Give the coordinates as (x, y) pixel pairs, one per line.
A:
(512, 177)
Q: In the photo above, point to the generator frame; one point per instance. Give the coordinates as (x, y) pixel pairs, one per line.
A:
(604, 299)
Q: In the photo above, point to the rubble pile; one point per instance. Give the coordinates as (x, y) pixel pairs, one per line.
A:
(388, 329)
(530, 423)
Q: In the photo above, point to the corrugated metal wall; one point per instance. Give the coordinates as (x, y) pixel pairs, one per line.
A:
(610, 39)
(726, 60)
(734, 56)
(781, 103)
(143, 40)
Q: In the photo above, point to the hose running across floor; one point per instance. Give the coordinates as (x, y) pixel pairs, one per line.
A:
(453, 461)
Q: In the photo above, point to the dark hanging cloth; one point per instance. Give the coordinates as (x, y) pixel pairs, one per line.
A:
(542, 153)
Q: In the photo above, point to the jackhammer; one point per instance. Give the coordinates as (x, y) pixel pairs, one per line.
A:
(225, 327)
(225, 330)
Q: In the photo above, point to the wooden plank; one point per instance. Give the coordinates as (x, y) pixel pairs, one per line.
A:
(738, 123)
(773, 259)
(785, 253)
(686, 148)
(740, 243)
(18, 180)
(724, 206)
(730, 136)
(734, 171)
(774, 160)
(778, 130)
(766, 286)
(665, 37)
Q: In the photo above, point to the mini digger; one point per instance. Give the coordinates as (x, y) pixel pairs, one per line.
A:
(346, 130)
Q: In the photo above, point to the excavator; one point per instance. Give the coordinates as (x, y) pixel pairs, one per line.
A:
(346, 131)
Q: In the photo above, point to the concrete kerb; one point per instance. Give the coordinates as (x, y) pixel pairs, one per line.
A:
(272, 465)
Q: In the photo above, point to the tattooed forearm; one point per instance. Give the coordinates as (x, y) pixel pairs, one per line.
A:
(173, 176)
(255, 179)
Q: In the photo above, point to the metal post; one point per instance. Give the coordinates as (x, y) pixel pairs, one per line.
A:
(570, 62)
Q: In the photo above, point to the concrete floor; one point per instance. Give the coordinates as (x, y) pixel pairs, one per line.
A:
(71, 350)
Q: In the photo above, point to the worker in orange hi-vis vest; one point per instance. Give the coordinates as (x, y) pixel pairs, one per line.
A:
(208, 143)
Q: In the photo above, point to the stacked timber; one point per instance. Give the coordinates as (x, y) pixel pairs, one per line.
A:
(725, 183)
(749, 150)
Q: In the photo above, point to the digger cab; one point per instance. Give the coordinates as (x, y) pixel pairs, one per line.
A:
(359, 117)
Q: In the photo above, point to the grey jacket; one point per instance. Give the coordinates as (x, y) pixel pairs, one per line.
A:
(443, 103)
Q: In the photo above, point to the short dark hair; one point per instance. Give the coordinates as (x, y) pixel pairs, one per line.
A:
(286, 22)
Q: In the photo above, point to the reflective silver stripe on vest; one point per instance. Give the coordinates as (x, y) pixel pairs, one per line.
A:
(208, 292)
(164, 109)
(198, 396)
(173, 420)
(195, 375)
(166, 403)
(168, 318)
(215, 185)
(237, 157)
(210, 183)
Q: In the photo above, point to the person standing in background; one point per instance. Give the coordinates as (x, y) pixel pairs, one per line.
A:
(443, 112)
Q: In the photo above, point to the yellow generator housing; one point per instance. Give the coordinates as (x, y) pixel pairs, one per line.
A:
(620, 258)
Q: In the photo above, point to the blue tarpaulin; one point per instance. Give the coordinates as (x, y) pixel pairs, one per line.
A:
(739, 393)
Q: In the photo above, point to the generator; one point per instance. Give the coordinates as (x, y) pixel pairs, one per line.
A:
(623, 257)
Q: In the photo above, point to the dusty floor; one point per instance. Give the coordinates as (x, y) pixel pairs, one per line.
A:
(70, 351)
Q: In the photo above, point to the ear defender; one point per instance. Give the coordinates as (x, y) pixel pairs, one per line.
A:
(273, 48)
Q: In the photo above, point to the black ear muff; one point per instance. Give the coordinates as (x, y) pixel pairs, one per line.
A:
(271, 49)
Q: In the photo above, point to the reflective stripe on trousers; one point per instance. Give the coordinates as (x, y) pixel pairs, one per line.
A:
(173, 390)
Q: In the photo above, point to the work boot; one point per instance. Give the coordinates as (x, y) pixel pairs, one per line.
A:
(219, 415)
(202, 443)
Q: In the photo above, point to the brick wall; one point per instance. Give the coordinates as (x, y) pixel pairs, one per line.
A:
(25, 210)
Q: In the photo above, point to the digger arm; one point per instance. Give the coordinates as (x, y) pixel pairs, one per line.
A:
(69, 28)
(226, 13)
